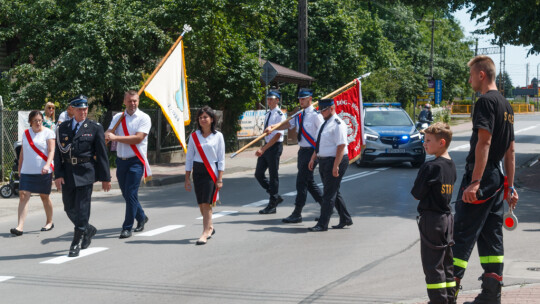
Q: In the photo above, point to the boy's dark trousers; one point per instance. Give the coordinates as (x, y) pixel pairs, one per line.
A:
(436, 232)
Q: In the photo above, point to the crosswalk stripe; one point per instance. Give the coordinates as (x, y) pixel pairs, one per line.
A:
(160, 230)
(257, 203)
(220, 214)
(5, 278)
(83, 253)
(382, 169)
(356, 177)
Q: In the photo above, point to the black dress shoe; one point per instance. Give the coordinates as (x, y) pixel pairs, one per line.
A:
(15, 232)
(140, 226)
(317, 228)
(293, 218)
(88, 235)
(270, 209)
(199, 242)
(75, 247)
(47, 229)
(125, 234)
(342, 225)
(210, 236)
(279, 200)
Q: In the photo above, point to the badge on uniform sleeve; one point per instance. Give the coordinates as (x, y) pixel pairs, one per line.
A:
(66, 138)
(510, 220)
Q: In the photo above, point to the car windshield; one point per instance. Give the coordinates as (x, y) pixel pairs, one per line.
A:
(387, 118)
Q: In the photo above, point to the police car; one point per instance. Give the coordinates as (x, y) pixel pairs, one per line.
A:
(391, 136)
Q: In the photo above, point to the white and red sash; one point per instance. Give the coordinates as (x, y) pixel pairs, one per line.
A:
(206, 164)
(140, 156)
(31, 142)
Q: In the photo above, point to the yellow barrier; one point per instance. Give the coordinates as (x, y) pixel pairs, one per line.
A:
(518, 108)
(461, 109)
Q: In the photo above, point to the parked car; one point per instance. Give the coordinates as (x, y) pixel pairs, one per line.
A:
(391, 136)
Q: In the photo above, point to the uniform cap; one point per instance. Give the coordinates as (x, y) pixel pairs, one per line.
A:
(325, 103)
(80, 101)
(273, 94)
(303, 92)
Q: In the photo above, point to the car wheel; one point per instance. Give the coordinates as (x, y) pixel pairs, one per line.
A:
(417, 163)
(6, 191)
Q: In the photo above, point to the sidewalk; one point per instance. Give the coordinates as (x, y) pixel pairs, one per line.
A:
(517, 294)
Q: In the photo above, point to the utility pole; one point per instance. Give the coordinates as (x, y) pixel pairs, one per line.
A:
(302, 36)
(527, 84)
(431, 57)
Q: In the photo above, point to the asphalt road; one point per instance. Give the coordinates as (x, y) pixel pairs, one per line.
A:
(253, 258)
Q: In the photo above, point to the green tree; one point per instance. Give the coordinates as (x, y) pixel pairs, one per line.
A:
(64, 48)
(508, 86)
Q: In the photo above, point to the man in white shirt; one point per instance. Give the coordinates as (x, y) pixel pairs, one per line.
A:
(269, 154)
(306, 124)
(66, 115)
(331, 151)
(131, 158)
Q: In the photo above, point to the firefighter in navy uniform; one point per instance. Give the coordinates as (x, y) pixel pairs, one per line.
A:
(80, 160)
(269, 154)
(306, 124)
(479, 208)
(331, 152)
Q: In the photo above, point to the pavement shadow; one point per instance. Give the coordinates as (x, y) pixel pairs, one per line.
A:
(277, 229)
(32, 256)
(190, 241)
(101, 234)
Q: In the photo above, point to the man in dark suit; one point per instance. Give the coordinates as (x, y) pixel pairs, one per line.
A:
(80, 160)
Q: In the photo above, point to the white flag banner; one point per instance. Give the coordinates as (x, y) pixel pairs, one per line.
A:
(169, 89)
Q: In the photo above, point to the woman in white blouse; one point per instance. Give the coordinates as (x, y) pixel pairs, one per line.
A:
(212, 144)
(35, 170)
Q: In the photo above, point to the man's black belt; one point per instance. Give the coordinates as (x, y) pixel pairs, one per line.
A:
(77, 160)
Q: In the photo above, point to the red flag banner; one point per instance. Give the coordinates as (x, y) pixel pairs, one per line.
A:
(349, 107)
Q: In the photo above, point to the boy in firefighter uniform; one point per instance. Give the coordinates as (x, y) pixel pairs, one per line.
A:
(433, 187)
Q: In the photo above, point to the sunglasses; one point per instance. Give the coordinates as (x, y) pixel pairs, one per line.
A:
(50, 108)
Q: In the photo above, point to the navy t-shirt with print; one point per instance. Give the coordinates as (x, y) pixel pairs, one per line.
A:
(434, 185)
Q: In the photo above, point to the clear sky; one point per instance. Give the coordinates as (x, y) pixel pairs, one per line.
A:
(516, 56)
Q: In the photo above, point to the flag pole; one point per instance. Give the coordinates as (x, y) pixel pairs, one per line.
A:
(187, 29)
(331, 95)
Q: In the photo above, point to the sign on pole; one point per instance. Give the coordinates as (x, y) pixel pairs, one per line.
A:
(269, 73)
(438, 91)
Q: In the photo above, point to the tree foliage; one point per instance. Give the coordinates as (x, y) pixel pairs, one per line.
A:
(103, 47)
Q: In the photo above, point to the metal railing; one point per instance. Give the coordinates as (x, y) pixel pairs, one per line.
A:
(518, 108)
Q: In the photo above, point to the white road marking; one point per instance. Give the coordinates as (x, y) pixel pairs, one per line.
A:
(465, 146)
(257, 203)
(526, 129)
(83, 253)
(293, 193)
(382, 169)
(356, 177)
(5, 278)
(160, 230)
(220, 214)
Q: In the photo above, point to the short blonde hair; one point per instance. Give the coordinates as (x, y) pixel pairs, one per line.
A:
(484, 64)
(440, 130)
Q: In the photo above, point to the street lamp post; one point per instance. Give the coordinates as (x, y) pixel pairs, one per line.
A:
(537, 86)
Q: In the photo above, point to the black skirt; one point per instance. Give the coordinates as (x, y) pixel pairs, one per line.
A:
(36, 183)
(203, 184)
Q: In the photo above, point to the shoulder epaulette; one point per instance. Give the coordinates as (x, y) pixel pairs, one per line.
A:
(337, 121)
